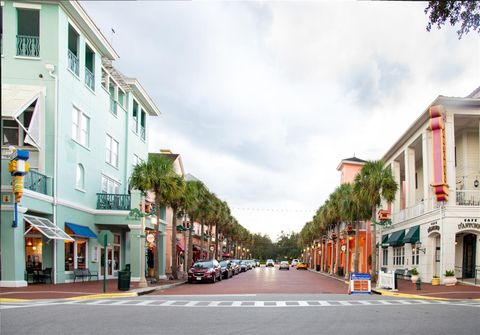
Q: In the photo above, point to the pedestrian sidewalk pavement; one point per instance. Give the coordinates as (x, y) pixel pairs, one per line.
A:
(80, 290)
(407, 289)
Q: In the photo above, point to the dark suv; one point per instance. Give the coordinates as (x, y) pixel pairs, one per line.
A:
(205, 271)
(227, 269)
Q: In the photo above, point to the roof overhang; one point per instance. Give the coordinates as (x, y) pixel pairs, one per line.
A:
(346, 161)
(141, 94)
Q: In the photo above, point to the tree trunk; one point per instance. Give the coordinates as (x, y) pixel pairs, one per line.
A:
(337, 256)
(347, 254)
(202, 231)
(374, 248)
(174, 244)
(190, 244)
(157, 238)
(331, 257)
(355, 264)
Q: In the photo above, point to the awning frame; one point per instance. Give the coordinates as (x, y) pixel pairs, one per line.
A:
(72, 226)
(46, 227)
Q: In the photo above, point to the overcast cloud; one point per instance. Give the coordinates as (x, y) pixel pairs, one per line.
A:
(263, 99)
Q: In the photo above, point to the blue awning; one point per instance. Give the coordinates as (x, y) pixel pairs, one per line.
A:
(79, 230)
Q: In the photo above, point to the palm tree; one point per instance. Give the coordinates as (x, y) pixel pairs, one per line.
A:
(153, 175)
(171, 194)
(373, 183)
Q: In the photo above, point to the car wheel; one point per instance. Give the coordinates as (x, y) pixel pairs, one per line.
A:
(214, 279)
(220, 278)
(190, 281)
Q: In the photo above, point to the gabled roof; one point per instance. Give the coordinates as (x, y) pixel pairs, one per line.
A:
(352, 160)
(475, 93)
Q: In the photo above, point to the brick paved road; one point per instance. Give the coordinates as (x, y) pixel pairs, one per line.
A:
(265, 280)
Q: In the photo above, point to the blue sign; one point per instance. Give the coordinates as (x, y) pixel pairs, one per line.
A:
(360, 283)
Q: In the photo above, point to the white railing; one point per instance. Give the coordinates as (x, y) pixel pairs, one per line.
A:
(386, 280)
(73, 62)
(468, 198)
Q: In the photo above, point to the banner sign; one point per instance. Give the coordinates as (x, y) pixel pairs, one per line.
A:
(360, 283)
(437, 126)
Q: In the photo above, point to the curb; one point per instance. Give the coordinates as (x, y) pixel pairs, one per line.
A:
(405, 295)
(103, 295)
(13, 300)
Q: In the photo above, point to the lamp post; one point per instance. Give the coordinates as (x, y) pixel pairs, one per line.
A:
(143, 281)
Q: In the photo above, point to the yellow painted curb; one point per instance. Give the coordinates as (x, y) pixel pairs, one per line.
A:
(13, 300)
(412, 296)
(104, 295)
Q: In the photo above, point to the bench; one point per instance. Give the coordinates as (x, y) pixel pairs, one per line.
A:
(84, 273)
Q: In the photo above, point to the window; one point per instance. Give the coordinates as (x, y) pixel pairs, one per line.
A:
(135, 117)
(105, 79)
(113, 103)
(136, 160)
(76, 254)
(89, 67)
(80, 127)
(416, 180)
(415, 255)
(116, 252)
(28, 32)
(112, 151)
(13, 134)
(80, 178)
(398, 256)
(73, 39)
(109, 185)
(143, 118)
(385, 256)
(121, 98)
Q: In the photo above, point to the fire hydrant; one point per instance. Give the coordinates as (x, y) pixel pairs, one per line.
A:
(419, 284)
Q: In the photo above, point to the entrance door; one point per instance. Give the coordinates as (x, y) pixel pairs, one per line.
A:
(110, 263)
(469, 249)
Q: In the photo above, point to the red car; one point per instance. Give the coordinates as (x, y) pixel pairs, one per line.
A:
(205, 271)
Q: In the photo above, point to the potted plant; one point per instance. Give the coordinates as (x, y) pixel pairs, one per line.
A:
(435, 281)
(450, 279)
(414, 272)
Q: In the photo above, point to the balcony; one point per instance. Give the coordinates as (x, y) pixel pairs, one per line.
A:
(116, 202)
(73, 62)
(142, 132)
(28, 46)
(90, 79)
(113, 106)
(37, 182)
(468, 198)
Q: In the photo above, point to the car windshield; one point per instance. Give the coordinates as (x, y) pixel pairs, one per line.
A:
(203, 265)
(223, 263)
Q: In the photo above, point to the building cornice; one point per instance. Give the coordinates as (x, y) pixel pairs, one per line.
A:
(141, 94)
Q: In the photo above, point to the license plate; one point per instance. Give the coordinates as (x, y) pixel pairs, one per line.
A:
(199, 278)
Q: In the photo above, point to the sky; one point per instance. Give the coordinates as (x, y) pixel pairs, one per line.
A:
(264, 99)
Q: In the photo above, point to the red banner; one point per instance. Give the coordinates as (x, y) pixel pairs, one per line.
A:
(437, 126)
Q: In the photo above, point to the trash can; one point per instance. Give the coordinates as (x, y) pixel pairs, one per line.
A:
(317, 267)
(340, 272)
(124, 280)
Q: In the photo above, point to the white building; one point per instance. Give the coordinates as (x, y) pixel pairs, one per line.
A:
(433, 235)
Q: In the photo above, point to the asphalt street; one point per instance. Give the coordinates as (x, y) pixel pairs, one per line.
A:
(243, 313)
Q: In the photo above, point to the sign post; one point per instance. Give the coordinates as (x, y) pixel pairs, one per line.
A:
(360, 283)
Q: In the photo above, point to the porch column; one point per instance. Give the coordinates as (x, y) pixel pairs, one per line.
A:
(390, 258)
(12, 248)
(134, 253)
(450, 157)
(321, 256)
(162, 251)
(396, 177)
(426, 160)
(409, 155)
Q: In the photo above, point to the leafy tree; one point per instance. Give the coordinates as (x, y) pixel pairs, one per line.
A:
(467, 13)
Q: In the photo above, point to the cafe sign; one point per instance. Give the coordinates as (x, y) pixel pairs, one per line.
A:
(433, 228)
(469, 223)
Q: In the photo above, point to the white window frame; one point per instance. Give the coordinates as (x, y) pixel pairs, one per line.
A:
(111, 156)
(75, 253)
(415, 255)
(80, 177)
(112, 186)
(399, 255)
(80, 124)
(385, 257)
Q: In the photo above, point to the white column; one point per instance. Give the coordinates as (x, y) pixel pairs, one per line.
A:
(396, 175)
(426, 160)
(390, 258)
(450, 148)
(409, 155)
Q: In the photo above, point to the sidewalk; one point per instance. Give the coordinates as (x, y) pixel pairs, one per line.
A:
(88, 289)
(408, 290)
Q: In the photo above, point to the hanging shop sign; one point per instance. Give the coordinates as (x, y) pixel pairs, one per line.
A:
(469, 223)
(437, 126)
(433, 228)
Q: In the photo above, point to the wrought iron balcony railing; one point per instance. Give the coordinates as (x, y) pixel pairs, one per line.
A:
(113, 106)
(37, 182)
(28, 46)
(119, 202)
(142, 132)
(73, 62)
(468, 198)
(90, 79)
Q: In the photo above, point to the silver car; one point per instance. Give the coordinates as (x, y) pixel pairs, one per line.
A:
(284, 265)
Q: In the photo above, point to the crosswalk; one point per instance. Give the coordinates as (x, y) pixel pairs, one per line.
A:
(240, 304)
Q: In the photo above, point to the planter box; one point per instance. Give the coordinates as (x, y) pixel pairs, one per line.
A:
(450, 281)
(435, 281)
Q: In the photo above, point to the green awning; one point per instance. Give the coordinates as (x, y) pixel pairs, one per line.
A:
(385, 241)
(396, 239)
(413, 235)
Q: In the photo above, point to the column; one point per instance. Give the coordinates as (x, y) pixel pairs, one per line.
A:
(390, 258)
(427, 180)
(450, 157)
(396, 176)
(162, 251)
(135, 253)
(409, 155)
(12, 248)
(408, 256)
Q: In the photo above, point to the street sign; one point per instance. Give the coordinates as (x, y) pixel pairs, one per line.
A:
(360, 283)
(150, 238)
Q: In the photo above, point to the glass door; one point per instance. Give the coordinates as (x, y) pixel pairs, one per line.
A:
(110, 262)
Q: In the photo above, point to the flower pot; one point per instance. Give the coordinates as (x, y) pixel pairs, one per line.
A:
(435, 281)
(450, 281)
(414, 279)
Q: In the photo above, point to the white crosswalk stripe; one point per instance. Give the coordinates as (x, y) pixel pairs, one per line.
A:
(245, 304)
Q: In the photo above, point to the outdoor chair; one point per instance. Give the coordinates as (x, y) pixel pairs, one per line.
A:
(46, 274)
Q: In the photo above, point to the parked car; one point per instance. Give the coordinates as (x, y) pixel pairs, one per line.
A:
(302, 266)
(257, 262)
(226, 268)
(243, 266)
(295, 262)
(284, 265)
(269, 263)
(205, 271)
(235, 266)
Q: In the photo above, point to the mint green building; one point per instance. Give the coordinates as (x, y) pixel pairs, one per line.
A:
(85, 125)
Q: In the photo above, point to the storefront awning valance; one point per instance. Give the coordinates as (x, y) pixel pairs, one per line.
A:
(413, 235)
(46, 227)
(396, 239)
(79, 230)
(385, 241)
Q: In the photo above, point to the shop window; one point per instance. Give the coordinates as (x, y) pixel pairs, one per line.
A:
(398, 256)
(76, 254)
(33, 252)
(415, 255)
(385, 256)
